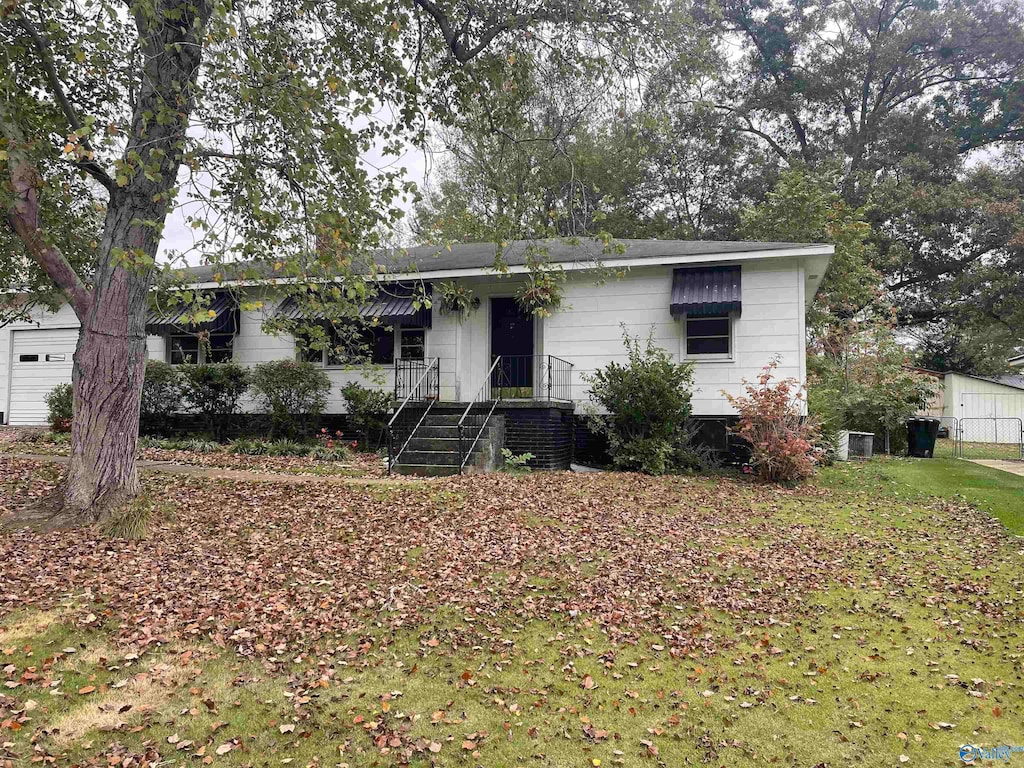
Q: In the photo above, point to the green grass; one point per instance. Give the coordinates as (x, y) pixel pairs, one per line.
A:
(911, 650)
(998, 493)
(865, 680)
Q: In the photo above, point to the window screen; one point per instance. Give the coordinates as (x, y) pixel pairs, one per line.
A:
(708, 335)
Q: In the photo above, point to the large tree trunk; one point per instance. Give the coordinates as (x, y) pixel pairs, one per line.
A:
(110, 359)
(108, 374)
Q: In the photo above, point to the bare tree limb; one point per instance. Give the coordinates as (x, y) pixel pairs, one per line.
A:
(458, 40)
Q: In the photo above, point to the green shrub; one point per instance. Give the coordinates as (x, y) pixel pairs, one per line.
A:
(329, 453)
(214, 391)
(60, 401)
(192, 444)
(325, 451)
(198, 445)
(293, 393)
(516, 464)
(647, 403)
(868, 387)
(161, 395)
(248, 446)
(288, 448)
(368, 409)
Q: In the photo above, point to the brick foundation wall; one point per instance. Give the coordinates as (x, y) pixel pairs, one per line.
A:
(591, 448)
(546, 431)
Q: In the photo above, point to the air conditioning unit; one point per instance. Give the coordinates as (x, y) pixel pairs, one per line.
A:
(854, 445)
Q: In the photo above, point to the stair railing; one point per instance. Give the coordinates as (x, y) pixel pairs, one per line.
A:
(488, 388)
(427, 388)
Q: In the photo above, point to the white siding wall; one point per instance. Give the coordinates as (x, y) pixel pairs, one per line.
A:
(253, 346)
(443, 340)
(587, 332)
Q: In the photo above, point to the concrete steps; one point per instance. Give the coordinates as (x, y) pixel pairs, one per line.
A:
(434, 447)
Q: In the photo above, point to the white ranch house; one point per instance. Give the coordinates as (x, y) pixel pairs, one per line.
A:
(730, 307)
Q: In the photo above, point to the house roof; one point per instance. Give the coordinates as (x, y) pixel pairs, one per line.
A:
(1016, 381)
(431, 260)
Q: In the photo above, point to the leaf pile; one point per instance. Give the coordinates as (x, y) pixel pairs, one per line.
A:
(270, 568)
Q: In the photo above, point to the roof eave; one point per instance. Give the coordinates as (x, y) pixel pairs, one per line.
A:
(809, 251)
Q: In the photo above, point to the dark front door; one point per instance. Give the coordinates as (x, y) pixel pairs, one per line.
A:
(512, 339)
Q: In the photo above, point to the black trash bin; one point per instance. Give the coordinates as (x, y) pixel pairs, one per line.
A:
(921, 434)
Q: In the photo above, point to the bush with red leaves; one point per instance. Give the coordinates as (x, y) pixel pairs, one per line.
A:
(782, 440)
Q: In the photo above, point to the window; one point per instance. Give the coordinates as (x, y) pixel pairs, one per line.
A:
(711, 336)
(220, 348)
(190, 349)
(54, 358)
(360, 344)
(413, 344)
(28, 358)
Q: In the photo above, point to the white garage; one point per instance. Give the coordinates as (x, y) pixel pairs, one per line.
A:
(40, 359)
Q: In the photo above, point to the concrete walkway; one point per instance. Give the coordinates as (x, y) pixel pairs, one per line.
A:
(1013, 467)
(241, 475)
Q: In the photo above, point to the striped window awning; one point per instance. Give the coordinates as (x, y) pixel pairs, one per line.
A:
(224, 318)
(703, 291)
(392, 304)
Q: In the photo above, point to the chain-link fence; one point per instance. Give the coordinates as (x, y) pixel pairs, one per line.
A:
(946, 445)
(991, 438)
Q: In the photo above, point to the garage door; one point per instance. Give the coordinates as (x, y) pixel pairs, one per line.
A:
(40, 360)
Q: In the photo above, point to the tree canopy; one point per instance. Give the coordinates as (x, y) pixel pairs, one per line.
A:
(257, 122)
(896, 123)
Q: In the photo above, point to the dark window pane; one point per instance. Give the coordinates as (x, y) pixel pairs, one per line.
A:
(356, 345)
(383, 341)
(304, 350)
(184, 349)
(714, 346)
(220, 348)
(28, 358)
(308, 355)
(413, 344)
(707, 326)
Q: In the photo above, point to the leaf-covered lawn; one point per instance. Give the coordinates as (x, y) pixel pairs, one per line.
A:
(545, 620)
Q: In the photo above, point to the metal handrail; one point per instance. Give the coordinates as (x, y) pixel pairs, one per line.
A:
(537, 377)
(393, 457)
(485, 387)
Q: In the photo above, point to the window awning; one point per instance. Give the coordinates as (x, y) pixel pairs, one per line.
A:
(173, 321)
(703, 291)
(392, 304)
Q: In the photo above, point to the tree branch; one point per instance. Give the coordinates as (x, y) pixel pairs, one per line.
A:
(42, 47)
(776, 147)
(23, 217)
(457, 40)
